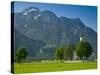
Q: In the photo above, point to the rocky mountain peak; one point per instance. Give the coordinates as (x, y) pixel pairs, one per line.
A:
(47, 27)
(29, 10)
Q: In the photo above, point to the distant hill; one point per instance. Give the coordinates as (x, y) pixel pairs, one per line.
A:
(44, 26)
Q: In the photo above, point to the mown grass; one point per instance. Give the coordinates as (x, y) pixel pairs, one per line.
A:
(51, 67)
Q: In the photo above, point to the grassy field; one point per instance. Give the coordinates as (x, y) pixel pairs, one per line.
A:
(50, 67)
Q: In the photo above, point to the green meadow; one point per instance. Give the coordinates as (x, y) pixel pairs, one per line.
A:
(51, 67)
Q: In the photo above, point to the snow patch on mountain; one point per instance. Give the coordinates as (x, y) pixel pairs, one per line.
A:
(37, 16)
(25, 13)
(25, 25)
(30, 10)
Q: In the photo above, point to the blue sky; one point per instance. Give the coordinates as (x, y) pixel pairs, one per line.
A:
(88, 14)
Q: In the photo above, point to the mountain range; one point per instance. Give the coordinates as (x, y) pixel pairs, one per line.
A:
(42, 31)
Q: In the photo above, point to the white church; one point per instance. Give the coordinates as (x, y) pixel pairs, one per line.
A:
(75, 55)
(91, 58)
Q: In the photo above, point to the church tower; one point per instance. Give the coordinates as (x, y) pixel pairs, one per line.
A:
(81, 37)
